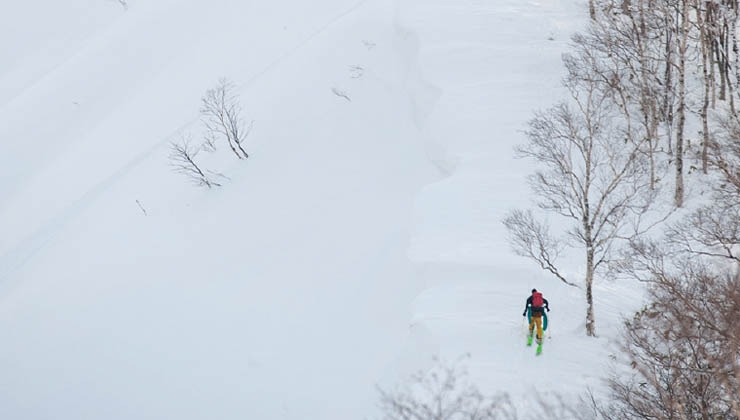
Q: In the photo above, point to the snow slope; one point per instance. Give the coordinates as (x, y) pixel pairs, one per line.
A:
(256, 300)
(360, 238)
(494, 63)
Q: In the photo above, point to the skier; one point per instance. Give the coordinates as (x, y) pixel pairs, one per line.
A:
(536, 301)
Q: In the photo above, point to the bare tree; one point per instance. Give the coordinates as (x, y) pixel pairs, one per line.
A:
(712, 231)
(443, 393)
(531, 238)
(221, 114)
(693, 41)
(725, 157)
(182, 160)
(590, 177)
(683, 48)
(683, 349)
(703, 22)
(624, 44)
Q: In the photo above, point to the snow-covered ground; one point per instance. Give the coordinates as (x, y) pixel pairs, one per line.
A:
(494, 63)
(362, 236)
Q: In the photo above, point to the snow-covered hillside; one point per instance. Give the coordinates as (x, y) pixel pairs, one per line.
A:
(494, 64)
(362, 236)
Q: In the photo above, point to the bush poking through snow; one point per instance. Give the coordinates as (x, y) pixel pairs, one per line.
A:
(222, 121)
(182, 160)
(684, 349)
(123, 4)
(443, 393)
(221, 115)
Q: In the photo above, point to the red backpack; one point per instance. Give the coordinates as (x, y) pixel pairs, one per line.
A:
(537, 300)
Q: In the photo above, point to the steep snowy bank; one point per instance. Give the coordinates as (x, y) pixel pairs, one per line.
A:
(494, 64)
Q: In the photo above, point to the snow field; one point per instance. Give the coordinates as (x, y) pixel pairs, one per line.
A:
(361, 238)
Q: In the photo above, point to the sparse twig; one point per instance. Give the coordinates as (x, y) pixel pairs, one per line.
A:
(341, 94)
(356, 71)
(143, 210)
(123, 4)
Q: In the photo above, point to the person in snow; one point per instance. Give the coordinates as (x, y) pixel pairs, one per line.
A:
(538, 304)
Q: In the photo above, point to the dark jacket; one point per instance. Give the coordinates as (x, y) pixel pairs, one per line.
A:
(535, 309)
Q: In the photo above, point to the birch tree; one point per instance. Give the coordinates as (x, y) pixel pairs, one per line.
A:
(618, 47)
(684, 347)
(589, 176)
(183, 161)
(683, 46)
(221, 115)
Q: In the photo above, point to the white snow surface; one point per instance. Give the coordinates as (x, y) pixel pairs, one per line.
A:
(361, 238)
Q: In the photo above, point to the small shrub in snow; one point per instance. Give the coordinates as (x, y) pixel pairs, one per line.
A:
(340, 93)
(123, 4)
(221, 115)
(182, 160)
(443, 393)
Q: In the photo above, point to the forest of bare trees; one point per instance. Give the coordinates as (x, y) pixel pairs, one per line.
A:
(652, 86)
(684, 348)
(651, 112)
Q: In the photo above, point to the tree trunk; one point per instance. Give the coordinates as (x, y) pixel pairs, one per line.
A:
(649, 111)
(704, 40)
(728, 66)
(233, 149)
(588, 235)
(711, 45)
(682, 49)
(735, 50)
(590, 318)
(244, 152)
(668, 82)
(592, 9)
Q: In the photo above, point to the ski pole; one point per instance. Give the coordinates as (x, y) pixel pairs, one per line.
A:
(524, 327)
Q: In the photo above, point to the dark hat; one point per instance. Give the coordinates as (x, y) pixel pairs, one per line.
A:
(534, 290)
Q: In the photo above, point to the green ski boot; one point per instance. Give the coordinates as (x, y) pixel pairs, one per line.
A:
(539, 346)
(529, 339)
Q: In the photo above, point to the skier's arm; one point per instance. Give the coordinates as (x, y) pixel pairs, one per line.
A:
(526, 305)
(547, 304)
